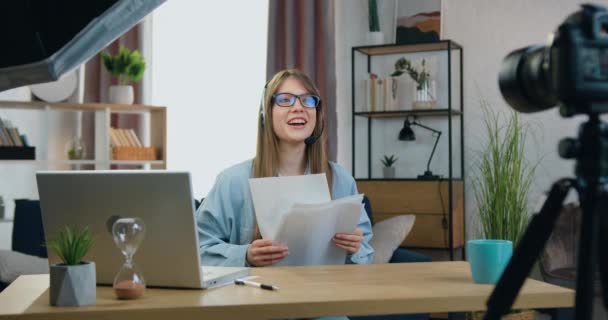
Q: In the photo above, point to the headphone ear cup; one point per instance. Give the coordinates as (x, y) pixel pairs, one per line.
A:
(263, 106)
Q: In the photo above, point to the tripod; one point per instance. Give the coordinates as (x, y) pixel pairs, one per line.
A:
(591, 153)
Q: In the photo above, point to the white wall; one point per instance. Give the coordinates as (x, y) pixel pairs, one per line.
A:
(488, 30)
(209, 68)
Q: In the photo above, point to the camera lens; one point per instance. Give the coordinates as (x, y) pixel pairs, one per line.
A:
(525, 81)
(601, 22)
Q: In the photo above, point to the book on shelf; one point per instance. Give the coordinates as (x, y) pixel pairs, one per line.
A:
(130, 139)
(9, 135)
(124, 138)
(134, 138)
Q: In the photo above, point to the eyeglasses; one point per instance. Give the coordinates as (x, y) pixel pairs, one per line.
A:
(288, 100)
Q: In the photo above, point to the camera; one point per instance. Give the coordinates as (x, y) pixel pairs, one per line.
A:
(571, 72)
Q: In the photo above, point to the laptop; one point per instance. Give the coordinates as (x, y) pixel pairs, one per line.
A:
(168, 256)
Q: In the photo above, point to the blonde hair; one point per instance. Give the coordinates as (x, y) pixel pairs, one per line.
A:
(266, 161)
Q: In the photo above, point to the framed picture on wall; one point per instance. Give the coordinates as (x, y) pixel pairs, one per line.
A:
(417, 21)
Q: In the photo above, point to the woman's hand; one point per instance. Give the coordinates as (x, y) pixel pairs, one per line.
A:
(263, 253)
(351, 242)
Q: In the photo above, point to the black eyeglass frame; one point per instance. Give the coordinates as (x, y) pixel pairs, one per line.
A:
(299, 97)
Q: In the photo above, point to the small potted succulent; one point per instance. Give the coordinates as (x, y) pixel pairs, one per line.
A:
(388, 171)
(73, 281)
(128, 66)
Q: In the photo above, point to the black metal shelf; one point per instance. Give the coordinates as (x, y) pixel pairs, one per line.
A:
(453, 112)
(441, 45)
(405, 113)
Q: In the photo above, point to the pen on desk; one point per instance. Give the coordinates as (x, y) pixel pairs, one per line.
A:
(255, 284)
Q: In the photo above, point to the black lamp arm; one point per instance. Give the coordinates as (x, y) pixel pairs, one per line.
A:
(428, 164)
(415, 123)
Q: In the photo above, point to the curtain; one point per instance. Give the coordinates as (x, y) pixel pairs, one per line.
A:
(301, 36)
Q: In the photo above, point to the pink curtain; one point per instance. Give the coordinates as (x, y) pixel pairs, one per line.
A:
(301, 36)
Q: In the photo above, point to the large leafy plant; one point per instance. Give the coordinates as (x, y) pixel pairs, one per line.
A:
(126, 65)
(71, 246)
(503, 181)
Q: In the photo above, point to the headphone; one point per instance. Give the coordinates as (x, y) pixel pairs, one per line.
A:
(308, 141)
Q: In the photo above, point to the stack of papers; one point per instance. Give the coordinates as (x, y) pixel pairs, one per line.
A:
(298, 211)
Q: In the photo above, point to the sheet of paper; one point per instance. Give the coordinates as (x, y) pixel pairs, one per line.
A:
(307, 230)
(272, 197)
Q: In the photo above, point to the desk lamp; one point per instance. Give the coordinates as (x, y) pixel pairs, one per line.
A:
(407, 134)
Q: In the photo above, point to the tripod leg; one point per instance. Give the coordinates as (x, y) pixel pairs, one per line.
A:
(527, 251)
(603, 257)
(591, 206)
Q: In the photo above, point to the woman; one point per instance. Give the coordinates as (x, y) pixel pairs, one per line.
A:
(291, 120)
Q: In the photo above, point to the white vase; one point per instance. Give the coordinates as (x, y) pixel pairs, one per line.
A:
(375, 38)
(391, 93)
(121, 94)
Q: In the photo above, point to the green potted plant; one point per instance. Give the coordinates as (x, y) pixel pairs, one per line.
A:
(389, 171)
(502, 184)
(128, 66)
(73, 281)
(504, 177)
(375, 36)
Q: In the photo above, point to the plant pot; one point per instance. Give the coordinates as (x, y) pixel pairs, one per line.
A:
(388, 172)
(375, 38)
(73, 285)
(121, 94)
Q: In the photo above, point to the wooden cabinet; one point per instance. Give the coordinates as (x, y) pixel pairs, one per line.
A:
(428, 201)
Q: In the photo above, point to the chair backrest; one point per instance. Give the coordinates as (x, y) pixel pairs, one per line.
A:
(560, 255)
(28, 234)
(368, 209)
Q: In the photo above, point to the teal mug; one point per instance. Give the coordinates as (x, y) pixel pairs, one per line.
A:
(488, 259)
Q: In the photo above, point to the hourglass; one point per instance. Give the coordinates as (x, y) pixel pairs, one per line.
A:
(128, 234)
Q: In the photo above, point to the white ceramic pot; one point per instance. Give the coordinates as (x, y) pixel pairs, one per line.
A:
(375, 38)
(121, 94)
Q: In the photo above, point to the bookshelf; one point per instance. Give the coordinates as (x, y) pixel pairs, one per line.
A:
(153, 134)
(437, 199)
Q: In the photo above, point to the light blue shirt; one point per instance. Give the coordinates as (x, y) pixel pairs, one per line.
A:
(225, 219)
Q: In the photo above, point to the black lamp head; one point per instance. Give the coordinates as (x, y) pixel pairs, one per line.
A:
(407, 134)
